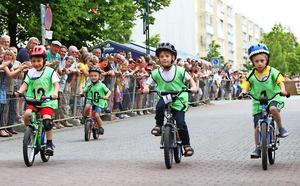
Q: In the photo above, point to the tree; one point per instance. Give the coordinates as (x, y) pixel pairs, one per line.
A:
(213, 52)
(248, 66)
(154, 40)
(75, 22)
(284, 49)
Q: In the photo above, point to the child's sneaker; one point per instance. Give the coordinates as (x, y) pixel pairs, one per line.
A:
(256, 153)
(283, 132)
(49, 149)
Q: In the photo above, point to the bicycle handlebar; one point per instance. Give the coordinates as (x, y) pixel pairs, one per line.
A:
(263, 98)
(82, 95)
(36, 102)
(172, 92)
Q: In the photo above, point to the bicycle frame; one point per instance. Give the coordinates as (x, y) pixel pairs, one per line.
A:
(39, 134)
(268, 120)
(171, 123)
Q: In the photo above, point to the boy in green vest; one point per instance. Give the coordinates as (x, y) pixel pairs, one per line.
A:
(40, 81)
(97, 95)
(264, 78)
(171, 78)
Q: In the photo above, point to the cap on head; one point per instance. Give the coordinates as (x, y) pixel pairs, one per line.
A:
(56, 43)
(95, 69)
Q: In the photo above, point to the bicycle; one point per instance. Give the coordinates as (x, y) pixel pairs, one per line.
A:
(90, 124)
(268, 135)
(170, 140)
(34, 136)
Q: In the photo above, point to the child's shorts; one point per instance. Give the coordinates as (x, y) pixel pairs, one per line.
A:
(42, 111)
(257, 116)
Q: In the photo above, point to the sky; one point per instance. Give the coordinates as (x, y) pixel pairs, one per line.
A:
(268, 12)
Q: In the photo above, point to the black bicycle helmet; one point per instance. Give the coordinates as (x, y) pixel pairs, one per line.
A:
(164, 47)
(95, 69)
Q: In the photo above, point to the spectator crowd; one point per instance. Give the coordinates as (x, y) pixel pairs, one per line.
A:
(122, 74)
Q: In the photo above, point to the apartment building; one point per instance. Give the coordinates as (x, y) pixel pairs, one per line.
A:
(191, 25)
(247, 33)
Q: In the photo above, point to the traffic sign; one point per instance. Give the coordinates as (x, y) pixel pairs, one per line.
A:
(216, 62)
(48, 17)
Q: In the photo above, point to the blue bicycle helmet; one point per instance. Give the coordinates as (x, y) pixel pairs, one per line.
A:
(258, 49)
(165, 46)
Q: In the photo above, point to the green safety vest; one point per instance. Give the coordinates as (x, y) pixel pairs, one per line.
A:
(42, 86)
(94, 91)
(269, 85)
(175, 85)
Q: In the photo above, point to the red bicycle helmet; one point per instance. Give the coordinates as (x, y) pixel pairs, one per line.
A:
(38, 51)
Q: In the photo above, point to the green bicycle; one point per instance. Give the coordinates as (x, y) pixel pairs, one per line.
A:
(34, 136)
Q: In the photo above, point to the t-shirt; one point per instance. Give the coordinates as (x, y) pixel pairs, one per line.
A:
(261, 76)
(33, 74)
(51, 57)
(23, 55)
(96, 91)
(82, 77)
(168, 75)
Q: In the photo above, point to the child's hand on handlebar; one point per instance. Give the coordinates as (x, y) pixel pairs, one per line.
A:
(145, 90)
(54, 96)
(18, 94)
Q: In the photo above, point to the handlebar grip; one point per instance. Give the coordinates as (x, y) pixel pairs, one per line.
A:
(286, 95)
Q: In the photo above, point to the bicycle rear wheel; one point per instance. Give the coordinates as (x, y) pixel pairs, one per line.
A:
(168, 146)
(28, 147)
(87, 130)
(264, 146)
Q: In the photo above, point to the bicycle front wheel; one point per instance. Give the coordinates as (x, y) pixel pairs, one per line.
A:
(168, 146)
(271, 151)
(87, 130)
(28, 147)
(178, 153)
(264, 146)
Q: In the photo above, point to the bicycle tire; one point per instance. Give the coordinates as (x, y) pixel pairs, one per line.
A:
(96, 133)
(271, 151)
(178, 153)
(168, 146)
(87, 130)
(264, 146)
(28, 147)
(44, 157)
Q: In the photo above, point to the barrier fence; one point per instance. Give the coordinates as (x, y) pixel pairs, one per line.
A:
(127, 98)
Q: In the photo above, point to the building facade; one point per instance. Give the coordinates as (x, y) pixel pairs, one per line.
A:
(192, 25)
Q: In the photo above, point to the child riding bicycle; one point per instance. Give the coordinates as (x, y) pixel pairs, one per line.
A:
(264, 78)
(171, 78)
(97, 95)
(40, 81)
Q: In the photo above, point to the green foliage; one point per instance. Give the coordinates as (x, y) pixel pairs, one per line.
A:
(154, 40)
(284, 50)
(154, 6)
(213, 52)
(76, 22)
(248, 66)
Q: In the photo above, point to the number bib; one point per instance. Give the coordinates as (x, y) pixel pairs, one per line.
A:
(41, 86)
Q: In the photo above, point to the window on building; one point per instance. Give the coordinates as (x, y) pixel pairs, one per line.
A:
(220, 25)
(208, 19)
